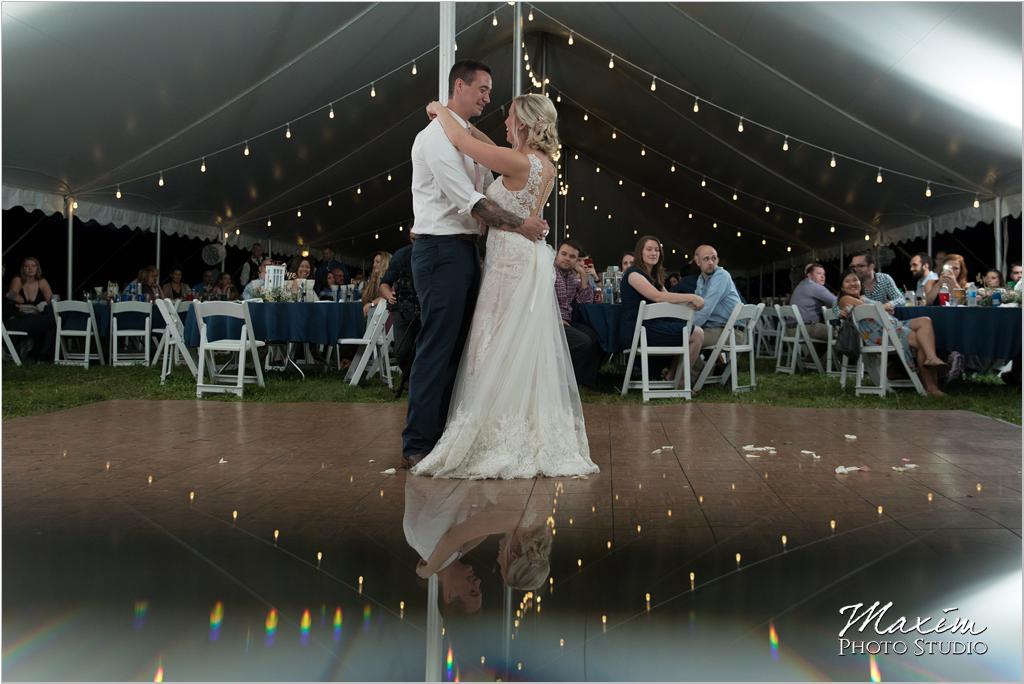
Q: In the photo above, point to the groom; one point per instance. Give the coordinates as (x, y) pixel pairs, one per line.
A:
(447, 202)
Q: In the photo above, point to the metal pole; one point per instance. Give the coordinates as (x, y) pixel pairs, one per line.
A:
(997, 225)
(432, 668)
(446, 47)
(517, 50)
(158, 217)
(931, 234)
(70, 212)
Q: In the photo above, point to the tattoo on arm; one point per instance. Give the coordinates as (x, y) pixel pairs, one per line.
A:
(495, 216)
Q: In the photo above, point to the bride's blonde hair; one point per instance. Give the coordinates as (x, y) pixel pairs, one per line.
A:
(539, 116)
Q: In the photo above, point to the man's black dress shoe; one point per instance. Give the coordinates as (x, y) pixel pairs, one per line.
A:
(408, 461)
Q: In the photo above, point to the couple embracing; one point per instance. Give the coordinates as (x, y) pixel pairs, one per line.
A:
(491, 392)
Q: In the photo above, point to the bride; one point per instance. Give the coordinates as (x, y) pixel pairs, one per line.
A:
(515, 410)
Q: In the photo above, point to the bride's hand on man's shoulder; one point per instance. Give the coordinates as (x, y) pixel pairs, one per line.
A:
(433, 109)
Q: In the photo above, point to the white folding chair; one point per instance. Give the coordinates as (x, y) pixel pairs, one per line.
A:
(879, 354)
(767, 334)
(744, 317)
(61, 354)
(9, 343)
(120, 329)
(798, 340)
(660, 389)
(173, 340)
(370, 346)
(244, 344)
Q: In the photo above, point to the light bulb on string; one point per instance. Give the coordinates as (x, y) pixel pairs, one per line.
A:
(643, 193)
(928, 189)
(878, 178)
(620, 182)
(526, 56)
(161, 181)
(735, 196)
(832, 161)
(739, 234)
(118, 193)
(414, 68)
(654, 85)
(977, 202)
(359, 190)
(202, 166)
(389, 176)
(789, 248)
(269, 223)
(597, 169)
(672, 168)
(246, 150)
(570, 39)
(614, 135)
(401, 228)
(298, 213)
(763, 242)
(494, 19)
(689, 215)
(696, 105)
(558, 98)
(373, 90)
(611, 61)
(643, 152)
(867, 237)
(739, 127)
(785, 144)
(238, 231)
(666, 205)
(330, 201)
(767, 207)
(586, 117)
(376, 236)
(832, 229)
(74, 204)
(800, 219)
(330, 111)
(288, 132)
(703, 183)
(529, 17)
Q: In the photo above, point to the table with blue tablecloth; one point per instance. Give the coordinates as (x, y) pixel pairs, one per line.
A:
(982, 331)
(605, 319)
(312, 322)
(101, 311)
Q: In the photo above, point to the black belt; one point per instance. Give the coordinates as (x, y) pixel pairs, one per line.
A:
(458, 236)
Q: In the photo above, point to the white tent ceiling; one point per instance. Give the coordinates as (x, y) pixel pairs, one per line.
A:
(97, 95)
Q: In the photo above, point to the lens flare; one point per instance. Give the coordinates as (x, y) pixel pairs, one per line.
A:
(876, 675)
(216, 620)
(304, 625)
(271, 626)
(448, 663)
(337, 624)
(773, 640)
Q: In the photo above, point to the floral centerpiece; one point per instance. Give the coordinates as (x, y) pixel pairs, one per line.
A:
(1008, 297)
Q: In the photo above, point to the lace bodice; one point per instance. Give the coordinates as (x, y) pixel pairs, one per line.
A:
(520, 202)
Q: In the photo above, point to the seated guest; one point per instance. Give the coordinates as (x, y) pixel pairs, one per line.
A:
(927, 279)
(252, 264)
(644, 281)
(688, 283)
(28, 296)
(174, 288)
(327, 291)
(399, 289)
(370, 295)
(253, 288)
(1015, 275)
(719, 293)
(879, 287)
(327, 264)
(205, 288)
(993, 279)
(672, 280)
(916, 335)
(809, 296)
(627, 261)
(954, 276)
(151, 284)
(300, 270)
(574, 284)
(225, 289)
(339, 275)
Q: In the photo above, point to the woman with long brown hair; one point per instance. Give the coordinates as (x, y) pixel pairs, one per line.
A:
(644, 281)
(381, 261)
(953, 275)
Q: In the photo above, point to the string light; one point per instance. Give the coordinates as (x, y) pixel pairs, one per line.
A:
(118, 193)
(735, 196)
(739, 234)
(269, 223)
(586, 117)
(714, 224)
(389, 176)
(654, 84)
(672, 168)
(246, 150)
(414, 68)
(643, 152)
(800, 219)
(789, 248)
(614, 135)
(696, 106)
(330, 112)
(867, 237)
(928, 189)
(330, 201)
(529, 17)
(832, 229)
(298, 213)
(161, 181)
(739, 128)
(763, 242)
(74, 204)
(288, 132)
(202, 166)
(878, 178)
(558, 98)
(832, 161)
(570, 39)
(703, 183)
(494, 19)
(767, 207)
(785, 144)
(977, 202)
(611, 61)
(373, 90)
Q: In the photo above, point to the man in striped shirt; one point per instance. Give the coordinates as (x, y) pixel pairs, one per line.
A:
(574, 285)
(877, 286)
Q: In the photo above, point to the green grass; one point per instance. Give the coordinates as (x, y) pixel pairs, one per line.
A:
(42, 388)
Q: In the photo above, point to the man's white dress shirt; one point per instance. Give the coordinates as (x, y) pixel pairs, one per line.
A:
(446, 184)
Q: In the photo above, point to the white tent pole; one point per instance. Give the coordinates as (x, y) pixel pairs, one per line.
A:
(931, 235)
(70, 212)
(446, 47)
(158, 243)
(997, 225)
(517, 51)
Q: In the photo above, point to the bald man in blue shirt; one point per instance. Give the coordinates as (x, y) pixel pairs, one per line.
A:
(720, 296)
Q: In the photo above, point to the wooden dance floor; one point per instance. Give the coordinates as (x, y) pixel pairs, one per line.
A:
(718, 542)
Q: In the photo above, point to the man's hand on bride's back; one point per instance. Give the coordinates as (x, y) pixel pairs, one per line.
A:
(433, 109)
(534, 228)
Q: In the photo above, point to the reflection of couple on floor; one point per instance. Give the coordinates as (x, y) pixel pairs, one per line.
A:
(445, 520)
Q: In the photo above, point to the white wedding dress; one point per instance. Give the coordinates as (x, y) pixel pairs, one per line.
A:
(515, 410)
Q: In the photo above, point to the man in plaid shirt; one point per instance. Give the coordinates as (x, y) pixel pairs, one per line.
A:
(573, 285)
(877, 286)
